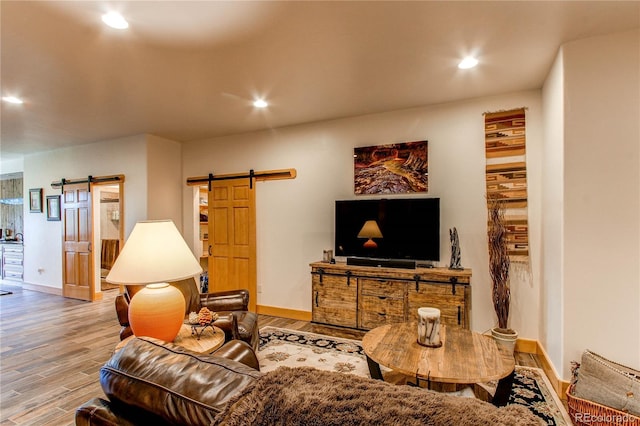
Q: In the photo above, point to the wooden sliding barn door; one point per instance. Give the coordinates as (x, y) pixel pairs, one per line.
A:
(77, 259)
(232, 237)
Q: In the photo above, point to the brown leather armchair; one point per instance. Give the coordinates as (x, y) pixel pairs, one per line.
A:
(235, 302)
(232, 307)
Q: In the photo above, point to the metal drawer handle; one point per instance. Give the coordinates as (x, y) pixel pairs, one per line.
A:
(383, 314)
(382, 297)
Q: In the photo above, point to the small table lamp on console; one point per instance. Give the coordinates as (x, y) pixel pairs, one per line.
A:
(155, 254)
(370, 230)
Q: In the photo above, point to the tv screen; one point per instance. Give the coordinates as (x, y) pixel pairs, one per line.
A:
(410, 228)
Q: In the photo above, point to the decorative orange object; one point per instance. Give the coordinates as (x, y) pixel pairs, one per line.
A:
(370, 230)
(204, 316)
(157, 311)
(370, 244)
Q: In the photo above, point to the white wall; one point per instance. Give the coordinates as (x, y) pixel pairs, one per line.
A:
(602, 198)
(295, 217)
(164, 177)
(551, 295)
(43, 239)
(11, 166)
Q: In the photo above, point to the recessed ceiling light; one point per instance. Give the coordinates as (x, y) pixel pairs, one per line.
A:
(115, 20)
(260, 103)
(468, 62)
(12, 99)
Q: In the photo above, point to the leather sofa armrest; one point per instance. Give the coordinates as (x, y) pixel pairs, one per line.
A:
(229, 324)
(240, 351)
(99, 412)
(96, 412)
(151, 376)
(232, 300)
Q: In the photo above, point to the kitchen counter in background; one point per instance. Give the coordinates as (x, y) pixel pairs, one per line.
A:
(11, 260)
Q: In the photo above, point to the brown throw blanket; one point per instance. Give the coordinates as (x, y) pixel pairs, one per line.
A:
(306, 396)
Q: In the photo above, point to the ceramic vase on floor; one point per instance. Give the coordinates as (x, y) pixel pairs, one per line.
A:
(505, 338)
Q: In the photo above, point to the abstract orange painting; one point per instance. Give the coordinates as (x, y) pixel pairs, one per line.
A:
(392, 169)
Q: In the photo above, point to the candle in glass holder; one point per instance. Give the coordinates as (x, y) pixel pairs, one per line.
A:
(429, 327)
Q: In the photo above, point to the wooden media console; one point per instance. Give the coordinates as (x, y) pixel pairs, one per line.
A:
(365, 297)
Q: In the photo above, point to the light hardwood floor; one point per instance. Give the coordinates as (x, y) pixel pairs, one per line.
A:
(52, 348)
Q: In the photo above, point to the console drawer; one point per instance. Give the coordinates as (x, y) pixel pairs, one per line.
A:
(370, 320)
(10, 260)
(378, 310)
(11, 274)
(381, 287)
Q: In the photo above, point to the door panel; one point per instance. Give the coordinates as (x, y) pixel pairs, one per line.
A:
(77, 280)
(70, 268)
(69, 225)
(232, 228)
(241, 271)
(220, 224)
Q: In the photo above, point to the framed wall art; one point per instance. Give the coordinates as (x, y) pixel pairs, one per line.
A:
(35, 200)
(506, 175)
(398, 168)
(53, 207)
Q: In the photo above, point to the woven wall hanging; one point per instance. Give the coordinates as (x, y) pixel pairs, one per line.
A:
(506, 175)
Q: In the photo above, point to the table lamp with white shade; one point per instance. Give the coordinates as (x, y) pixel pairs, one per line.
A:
(155, 254)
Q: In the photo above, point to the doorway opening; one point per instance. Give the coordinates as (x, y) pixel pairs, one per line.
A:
(108, 231)
(81, 236)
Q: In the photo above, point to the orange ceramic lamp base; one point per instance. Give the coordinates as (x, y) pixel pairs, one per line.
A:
(370, 244)
(157, 311)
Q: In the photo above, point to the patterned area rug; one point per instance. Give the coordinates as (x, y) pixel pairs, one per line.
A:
(282, 347)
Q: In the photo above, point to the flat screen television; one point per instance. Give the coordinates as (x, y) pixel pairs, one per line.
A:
(410, 228)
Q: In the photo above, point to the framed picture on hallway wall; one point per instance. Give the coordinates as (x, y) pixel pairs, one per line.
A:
(35, 200)
(398, 168)
(53, 207)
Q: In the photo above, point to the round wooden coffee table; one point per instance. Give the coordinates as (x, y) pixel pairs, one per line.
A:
(465, 357)
(210, 340)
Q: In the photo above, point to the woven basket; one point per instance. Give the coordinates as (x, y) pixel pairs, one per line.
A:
(588, 413)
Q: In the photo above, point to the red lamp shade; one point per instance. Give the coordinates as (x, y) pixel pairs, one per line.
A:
(157, 311)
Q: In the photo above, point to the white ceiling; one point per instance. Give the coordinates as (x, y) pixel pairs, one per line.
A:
(188, 70)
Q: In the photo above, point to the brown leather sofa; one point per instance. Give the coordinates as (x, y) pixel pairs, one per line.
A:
(232, 307)
(150, 382)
